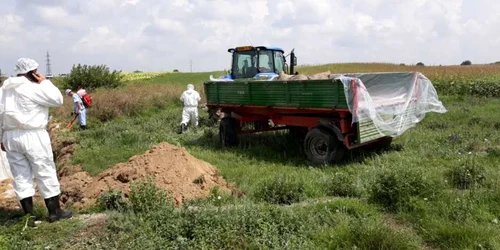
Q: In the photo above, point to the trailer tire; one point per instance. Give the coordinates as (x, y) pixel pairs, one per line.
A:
(228, 132)
(322, 147)
(213, 116)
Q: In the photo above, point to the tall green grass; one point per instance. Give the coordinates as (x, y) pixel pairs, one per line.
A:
(438, 182)
(416, 179)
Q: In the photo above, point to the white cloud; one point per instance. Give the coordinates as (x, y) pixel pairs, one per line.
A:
(10, 28)
(163, 35)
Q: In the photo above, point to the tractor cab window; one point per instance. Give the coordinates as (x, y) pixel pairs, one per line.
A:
(279, 62)
(244, 64)
(266, 61)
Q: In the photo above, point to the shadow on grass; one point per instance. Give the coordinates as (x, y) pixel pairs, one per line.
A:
(280, 148)
(9, 216)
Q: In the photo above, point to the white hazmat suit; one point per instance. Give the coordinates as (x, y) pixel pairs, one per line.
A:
(190, 99)
(24, 114)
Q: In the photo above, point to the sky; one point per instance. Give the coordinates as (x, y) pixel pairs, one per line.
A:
(163, 35)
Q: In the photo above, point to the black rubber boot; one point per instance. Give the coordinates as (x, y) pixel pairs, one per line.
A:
(55, 211)
(83, 127)
(27, 205)
(183, 128)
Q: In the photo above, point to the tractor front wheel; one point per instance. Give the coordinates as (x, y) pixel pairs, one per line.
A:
(323, 148)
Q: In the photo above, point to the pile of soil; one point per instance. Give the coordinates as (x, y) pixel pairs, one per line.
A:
(171, 168)
(7, 196)
(62, 146)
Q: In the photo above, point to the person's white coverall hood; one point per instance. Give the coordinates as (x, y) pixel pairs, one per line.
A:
(24, 65)
(190, 99)
(24, 114)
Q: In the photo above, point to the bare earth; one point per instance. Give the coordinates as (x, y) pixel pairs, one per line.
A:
(172, 169)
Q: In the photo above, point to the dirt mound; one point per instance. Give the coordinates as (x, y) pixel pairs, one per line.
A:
(172, 169)
(8, 198)
(62, 146)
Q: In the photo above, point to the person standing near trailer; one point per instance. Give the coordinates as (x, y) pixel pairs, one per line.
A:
(189, 99)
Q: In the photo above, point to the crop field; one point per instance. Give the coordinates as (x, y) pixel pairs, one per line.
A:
(436, 187)
(137, 76)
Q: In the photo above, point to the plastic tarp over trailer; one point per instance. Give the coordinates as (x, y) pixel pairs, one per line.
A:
(388, 104)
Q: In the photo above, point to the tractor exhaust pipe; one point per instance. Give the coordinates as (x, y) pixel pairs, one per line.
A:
(293, 62)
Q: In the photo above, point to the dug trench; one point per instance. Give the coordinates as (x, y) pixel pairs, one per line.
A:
(172, 169)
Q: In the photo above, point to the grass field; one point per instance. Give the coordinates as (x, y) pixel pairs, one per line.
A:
(436, 187)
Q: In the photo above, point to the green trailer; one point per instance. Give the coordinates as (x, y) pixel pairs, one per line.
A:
(332, 115)
(325, 94)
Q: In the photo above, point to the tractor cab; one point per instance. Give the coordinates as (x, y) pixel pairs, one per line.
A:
(259, 62)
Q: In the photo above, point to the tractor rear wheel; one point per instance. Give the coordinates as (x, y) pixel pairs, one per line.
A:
(323, 148)
(228, 131)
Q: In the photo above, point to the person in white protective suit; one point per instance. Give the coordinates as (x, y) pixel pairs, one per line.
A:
(78, 108)
(24, 113)
(189, 99)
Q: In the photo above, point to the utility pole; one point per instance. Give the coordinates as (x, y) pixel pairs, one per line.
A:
(191, 65)
(48, 69)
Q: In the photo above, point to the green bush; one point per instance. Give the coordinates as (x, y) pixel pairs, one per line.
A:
(145, 197)
(467, 176)
(92, 77)
(280, 190)
(112, 200)
(2, 78)
(366, 234)
(394, 188)
(245, 227)
(453, 235)
(483, 87)
(342, 184)
(466, 63)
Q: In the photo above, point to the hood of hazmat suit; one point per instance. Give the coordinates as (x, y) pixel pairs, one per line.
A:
(190, 97)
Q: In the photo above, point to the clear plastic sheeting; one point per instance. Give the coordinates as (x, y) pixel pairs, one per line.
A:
(394, 102)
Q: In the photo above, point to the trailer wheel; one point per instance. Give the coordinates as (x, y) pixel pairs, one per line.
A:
(322, 148)
(213, 116)
(228, 132)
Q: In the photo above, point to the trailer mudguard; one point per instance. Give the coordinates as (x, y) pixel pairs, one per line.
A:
(332, 128)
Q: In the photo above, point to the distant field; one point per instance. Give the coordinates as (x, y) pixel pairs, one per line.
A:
(133, 76)
(436, 187)
(482, 80)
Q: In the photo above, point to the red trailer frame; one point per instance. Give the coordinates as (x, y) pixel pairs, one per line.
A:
(333, 127)
(297, 117)
(292, 117)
